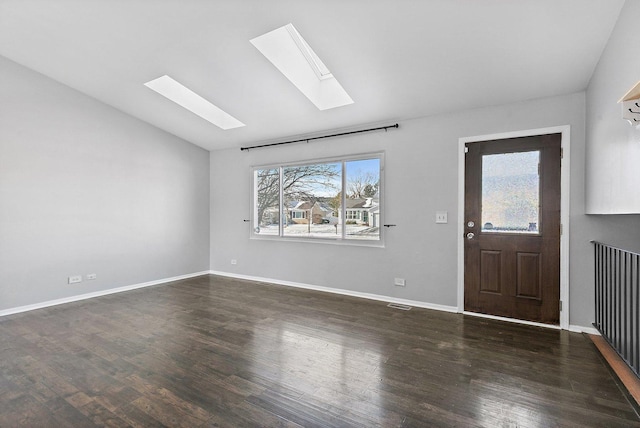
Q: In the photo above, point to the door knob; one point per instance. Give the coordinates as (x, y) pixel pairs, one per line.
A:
(470, 235)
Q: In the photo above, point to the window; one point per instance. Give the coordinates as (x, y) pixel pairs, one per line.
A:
(332, 200)
(511, 192)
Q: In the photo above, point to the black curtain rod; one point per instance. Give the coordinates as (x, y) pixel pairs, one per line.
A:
(323, 136)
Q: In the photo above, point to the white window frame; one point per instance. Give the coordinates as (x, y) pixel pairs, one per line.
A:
(341, 239)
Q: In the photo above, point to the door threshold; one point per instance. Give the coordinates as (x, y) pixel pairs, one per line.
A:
(512, 320)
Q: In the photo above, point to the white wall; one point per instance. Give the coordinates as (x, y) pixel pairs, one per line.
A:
(86, 189)
(421, 177)
(613, 146)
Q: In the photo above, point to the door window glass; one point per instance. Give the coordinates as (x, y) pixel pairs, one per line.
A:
(511, 192)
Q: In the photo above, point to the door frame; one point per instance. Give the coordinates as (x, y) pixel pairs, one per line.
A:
(565, 176)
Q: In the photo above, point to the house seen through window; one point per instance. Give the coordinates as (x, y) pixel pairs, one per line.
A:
(338, 199)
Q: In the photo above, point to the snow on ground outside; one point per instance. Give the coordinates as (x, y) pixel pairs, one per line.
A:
(353, 231)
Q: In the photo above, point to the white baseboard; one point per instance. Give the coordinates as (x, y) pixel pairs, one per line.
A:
(414, 303)
(581, 329)
(76, 298)
(378, 297)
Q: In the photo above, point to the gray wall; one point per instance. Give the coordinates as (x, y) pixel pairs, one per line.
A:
(613, 145)
(612, 159)
(87, 189)
(421, 177)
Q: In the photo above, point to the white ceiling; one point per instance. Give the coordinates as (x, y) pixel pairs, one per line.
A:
(397, 59)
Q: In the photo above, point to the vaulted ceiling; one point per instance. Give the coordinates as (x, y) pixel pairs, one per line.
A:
(397, 59)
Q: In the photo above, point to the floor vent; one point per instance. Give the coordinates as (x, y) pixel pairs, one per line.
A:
(399, 306)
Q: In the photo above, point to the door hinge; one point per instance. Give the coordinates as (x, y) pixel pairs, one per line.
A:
(561, 229)
(560, 305)
(561, 152)
(466, 149)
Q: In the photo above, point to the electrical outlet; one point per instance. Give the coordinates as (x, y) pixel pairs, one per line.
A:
(75, 279)
(92, 276)
(441, 217)
(399, 282)
(234, 262)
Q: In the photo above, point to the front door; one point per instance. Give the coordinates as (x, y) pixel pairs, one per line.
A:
(512, 228)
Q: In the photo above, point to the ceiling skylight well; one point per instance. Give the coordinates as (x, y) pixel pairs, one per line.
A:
(193, 102)
(314, 61)
(293, 57)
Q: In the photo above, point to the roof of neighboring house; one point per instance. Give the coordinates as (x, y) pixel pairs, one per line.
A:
(299, 205)
(351, 203)
(306, 205)
(364, 203)
(322, 206)
(355, 203)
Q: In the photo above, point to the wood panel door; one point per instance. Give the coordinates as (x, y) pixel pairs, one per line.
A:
(512, 228)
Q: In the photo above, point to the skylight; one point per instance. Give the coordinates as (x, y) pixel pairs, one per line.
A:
(314, 61)
(193, 102)
(293, 57)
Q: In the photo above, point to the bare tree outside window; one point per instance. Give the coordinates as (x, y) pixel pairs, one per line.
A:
(363, 184)
(298, 183)
(312, 200)
(363, 199)
(307, 190)
(267, 183)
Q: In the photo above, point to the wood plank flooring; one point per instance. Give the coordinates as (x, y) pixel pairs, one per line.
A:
(620, 368)
(212, 351)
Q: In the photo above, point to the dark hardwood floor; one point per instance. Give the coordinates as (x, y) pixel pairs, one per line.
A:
(212, 351)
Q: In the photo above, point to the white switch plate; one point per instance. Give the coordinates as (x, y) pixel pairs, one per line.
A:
(441, 217)
(92, 276)
(399, 282)
(234, 262)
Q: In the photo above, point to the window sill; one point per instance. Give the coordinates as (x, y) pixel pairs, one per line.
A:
(329, 241)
